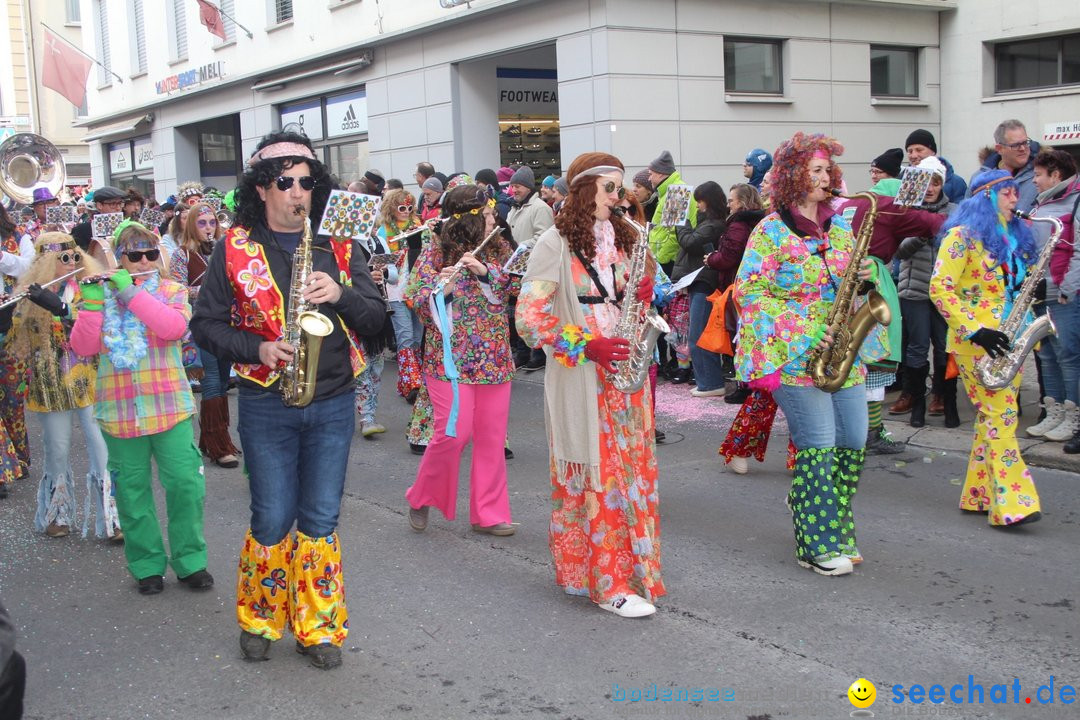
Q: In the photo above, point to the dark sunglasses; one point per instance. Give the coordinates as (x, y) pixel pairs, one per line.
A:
(137, 255)
(284, 182)
(71, 257)
(609, 187)
(404, 208)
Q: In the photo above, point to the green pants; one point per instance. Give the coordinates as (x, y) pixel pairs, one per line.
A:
(180, 471)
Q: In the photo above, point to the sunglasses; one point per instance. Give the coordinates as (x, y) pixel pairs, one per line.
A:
(137, 255)
(71, 257)
(206, 223)
(404, 208)
(285, 182)
(610, 186)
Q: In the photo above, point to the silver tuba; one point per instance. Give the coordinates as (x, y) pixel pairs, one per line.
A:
(997, 373)
(638, 324)
(27, 162)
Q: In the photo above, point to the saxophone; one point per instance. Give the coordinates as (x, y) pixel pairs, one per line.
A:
(638, 324)
(305, 328)
(997, 373)
(829, 367)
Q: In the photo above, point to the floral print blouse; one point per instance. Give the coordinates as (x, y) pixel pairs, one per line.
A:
(480, 329)
(785, 287)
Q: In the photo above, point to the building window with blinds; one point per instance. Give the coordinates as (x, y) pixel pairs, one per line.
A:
(102, 43)
(283, 11)
(178, 30)
(228, 12)
(138, 39)
(73, 13)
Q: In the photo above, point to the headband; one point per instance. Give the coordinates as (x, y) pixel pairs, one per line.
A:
(992, 183)
(822, 154)
(475, 211)
(280, 150)
(598, 170)
(56, 247)
(207, 210)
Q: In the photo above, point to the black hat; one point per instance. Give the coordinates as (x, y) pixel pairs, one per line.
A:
(487, 176)
(889, 161)
(921, 137)
(375, 180)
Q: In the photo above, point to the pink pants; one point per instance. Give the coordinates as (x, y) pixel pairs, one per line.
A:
(482, 415)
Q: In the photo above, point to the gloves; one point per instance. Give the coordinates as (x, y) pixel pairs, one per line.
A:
(92, 292)
(47, 299)
(645, 289)
(818, 333)
(5, 316)
(121, 280)
(995, 342)
(604, 351)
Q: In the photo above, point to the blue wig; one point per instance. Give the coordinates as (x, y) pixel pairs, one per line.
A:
(979, 218)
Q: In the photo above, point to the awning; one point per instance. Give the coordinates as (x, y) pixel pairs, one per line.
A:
(122, 128)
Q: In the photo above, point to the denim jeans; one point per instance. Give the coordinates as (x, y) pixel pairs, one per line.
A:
(818, 419)
(708, 366)
(215, 382)
(296, 460)
(923, 324)
(56, 436)
(407, 326)
(1060, 354)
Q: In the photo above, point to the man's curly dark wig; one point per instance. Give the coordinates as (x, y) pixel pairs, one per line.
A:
(578, 215)
(250, 208)
(460, 235)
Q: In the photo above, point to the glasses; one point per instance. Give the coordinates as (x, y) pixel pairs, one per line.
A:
(1018, 145)
(405, 208)
(609, 187)
(109, 203)
(206, 223)
(285, 182)
(71, 257)
(137, 255)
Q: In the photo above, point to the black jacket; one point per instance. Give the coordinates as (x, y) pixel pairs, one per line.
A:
(361, 307)
(695, 243)
(83, 235)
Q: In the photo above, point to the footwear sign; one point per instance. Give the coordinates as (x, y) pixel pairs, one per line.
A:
(528, 91)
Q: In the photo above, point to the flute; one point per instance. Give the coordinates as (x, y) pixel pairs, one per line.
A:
(103, 277)
(441, 285)
(19, 296)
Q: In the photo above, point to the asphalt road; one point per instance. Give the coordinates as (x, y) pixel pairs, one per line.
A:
(451, 624)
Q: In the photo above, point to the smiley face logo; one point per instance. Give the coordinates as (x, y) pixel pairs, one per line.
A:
(862, 693)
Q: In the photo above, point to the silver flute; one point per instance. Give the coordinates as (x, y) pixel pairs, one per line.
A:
(19, 296)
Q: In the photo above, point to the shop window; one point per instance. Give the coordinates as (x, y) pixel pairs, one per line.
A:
(1037, 63)
(347, 161)
(529, 131)
(894, 71)
(218, 152)
(102, 42)
(753, 66)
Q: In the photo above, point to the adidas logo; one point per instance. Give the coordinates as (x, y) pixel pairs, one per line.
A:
(350, 122)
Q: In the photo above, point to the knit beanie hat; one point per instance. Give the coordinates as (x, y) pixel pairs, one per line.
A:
(549, 181)
(642, 179)
(504, 174)
(561, 187)
(487, 176)
(664, 164)
(933, 165)
(433, 183)
(921, 137)
(525, 177)
(889, 161)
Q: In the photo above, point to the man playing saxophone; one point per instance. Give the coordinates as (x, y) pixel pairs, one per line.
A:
(295, 455)
(798, 262)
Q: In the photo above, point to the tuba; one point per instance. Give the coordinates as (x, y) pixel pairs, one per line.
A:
(829, 367)
(639, 324)
(305, 327)
(27, 162)
(997, 373)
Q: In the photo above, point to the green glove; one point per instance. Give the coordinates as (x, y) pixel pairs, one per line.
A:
(93, 292)
(121, 280)
(816, 336)
(873, 273)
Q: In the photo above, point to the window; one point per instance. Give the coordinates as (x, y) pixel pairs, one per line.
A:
(1037, 63)
(73, 13)
(138, 45)
(179, 27)
(228, 12)
(752, 66)
(282, 11)
(893, 71)
(102, 42)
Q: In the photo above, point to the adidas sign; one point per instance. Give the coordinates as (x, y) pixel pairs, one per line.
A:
(350, 122)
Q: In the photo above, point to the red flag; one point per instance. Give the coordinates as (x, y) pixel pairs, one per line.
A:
(65, 69)
(211, 18)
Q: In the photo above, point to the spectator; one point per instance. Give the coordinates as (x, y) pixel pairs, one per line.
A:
(488, 181)
(559, 191)
(529, 218)
(1015, 151)
(646, 193)
(886, 166)
(921, 144)
(107, 199)
(430, 206)
(546, 190)
(662, 240)
(170, 210)
(423, 171)
(394, 184)
(755, 166)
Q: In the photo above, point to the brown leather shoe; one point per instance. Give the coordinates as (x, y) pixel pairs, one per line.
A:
(57, 531)
(936, 406)
(902, 404)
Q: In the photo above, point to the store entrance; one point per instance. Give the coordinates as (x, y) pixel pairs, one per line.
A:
(529, 119)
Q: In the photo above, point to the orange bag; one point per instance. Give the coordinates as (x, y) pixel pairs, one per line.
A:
(951, 370)
(715, 337)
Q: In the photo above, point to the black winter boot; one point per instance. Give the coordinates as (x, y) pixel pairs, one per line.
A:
(948, 394)
(915, 383)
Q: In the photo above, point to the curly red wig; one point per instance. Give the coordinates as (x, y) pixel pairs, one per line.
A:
(578, 215)
(790, 175)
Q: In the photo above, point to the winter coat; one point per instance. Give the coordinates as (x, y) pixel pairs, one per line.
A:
(1025, 178)
(1058, 201)
(917, 256)
(662, 240)
(529, 220)
(732, 245)
(954, 188)
(694, 245)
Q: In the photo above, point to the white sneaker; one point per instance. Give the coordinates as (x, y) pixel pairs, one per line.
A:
(629, 606)
(1054, 415)
(825, 565)
(738, 465)
(718, 392)
(1069, 420)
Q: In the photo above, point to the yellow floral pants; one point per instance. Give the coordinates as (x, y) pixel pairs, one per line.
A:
(998, 481)
(297, 582)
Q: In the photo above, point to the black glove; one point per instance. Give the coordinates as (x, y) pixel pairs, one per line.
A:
(6, 315)
(47, 299)
(995, 342)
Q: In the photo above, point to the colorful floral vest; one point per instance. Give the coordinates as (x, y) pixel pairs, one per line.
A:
(258, 304)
